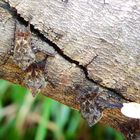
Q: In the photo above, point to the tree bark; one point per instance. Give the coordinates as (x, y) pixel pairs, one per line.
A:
(96, 45)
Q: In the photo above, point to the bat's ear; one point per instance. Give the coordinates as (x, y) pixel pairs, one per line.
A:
(27, 35)
(18, 32)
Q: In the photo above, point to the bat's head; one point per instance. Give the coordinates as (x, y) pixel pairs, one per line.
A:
(23, 36)
(35, 81)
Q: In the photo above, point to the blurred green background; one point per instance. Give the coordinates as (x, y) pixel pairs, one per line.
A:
(23, 117)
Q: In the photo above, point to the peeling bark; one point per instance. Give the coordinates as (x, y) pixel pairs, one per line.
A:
(97, 45)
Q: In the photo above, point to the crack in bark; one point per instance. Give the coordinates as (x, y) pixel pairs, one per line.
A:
(21, 20)
(86, 65)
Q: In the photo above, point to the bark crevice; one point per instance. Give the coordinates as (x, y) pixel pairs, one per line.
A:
(60, 52)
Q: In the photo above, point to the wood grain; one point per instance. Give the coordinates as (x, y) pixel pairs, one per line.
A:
(97, 45)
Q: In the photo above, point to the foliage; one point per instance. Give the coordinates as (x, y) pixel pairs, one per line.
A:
(24, 117)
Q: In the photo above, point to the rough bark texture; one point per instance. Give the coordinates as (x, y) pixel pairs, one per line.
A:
(97, 45)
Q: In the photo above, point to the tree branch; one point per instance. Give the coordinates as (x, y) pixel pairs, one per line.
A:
(94, 49)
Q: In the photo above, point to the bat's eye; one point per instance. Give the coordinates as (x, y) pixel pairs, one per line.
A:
(28, 60)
